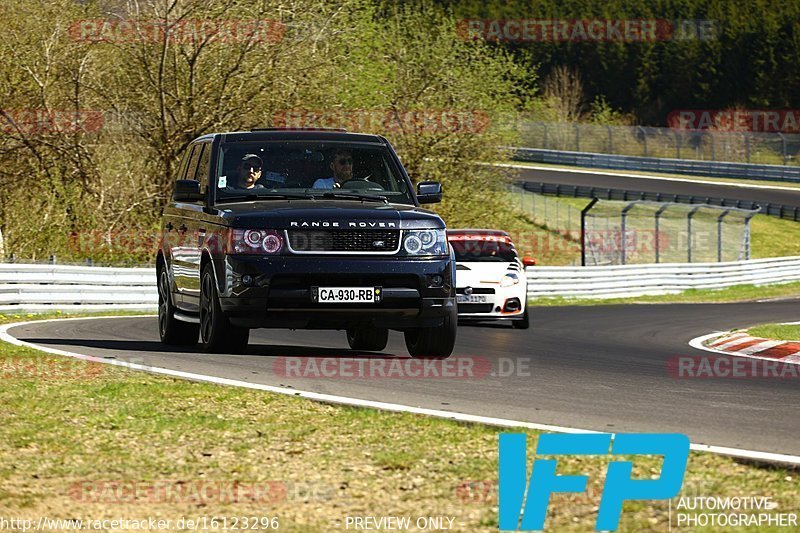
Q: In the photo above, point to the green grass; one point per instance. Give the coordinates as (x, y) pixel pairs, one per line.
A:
(86, 429)
(737, 293)
(778, 332)
(774, 237)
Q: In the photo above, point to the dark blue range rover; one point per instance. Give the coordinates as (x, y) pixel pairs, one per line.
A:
(303, 229)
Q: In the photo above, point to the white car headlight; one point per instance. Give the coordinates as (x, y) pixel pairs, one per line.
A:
(425, 242)
(509, 280)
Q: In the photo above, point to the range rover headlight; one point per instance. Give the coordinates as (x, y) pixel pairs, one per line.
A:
(253, 241)
(425, 242)
(509, 280)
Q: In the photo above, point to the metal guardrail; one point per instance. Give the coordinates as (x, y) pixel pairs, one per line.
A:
(36, 288)
(788, 212)
(655, 279)
(716, 169)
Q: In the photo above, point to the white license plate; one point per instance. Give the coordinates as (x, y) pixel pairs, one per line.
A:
(337, 295)
(471, 299)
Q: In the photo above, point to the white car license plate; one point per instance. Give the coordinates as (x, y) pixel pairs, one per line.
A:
(471, 299)
(337, 295)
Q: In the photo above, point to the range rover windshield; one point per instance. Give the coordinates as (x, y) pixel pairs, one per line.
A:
(292, 169)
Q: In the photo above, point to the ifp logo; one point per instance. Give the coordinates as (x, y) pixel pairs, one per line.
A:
(528, 514)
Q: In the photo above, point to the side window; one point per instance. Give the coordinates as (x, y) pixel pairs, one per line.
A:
(184, 163)
(204, 166)
(191, 169)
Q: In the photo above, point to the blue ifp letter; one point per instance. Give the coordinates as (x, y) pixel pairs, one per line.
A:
(619, 485)
(544, 480)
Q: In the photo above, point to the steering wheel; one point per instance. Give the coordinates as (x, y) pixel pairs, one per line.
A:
(361, 184)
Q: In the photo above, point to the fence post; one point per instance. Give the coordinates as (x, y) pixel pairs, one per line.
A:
(546, 146)
(746, 237)
(644, 139)
(583, 230)
(689, 235)
(783, 148)
(713, 147)
(623, 227)
(661, 210)
(719, 234)
(746, 147)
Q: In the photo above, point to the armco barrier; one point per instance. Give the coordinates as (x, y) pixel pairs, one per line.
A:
(654, 279)
(76, 288)
(716, 169)
(37, 288)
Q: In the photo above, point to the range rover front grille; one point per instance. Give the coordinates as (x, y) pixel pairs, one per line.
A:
(344, 241)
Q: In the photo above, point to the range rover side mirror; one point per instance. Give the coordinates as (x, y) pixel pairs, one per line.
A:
(429, 192)
(187, 191)
(528, 261)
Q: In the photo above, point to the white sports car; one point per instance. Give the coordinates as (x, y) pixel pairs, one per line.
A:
(490, 278)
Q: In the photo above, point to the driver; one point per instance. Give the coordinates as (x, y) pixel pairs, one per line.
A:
(342, 166)
(249, 172)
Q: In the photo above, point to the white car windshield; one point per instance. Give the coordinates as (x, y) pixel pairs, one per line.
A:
(484, 251)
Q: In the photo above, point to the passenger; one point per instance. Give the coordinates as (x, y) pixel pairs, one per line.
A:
(342, 167)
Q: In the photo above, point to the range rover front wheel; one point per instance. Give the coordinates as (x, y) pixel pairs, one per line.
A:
(217, 334)
(433, 343)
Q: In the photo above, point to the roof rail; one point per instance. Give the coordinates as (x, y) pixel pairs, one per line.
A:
(342, 130)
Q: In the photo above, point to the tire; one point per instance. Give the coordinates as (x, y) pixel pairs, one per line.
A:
(172, 331)
(524, 323)
(369, 339)
(217, 334)
(433, 343)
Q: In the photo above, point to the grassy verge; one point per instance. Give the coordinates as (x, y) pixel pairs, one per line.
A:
(737, 293)
(778, 332)
(78, 438)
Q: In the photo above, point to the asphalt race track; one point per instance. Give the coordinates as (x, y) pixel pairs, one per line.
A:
(754, 194)
(599, 367)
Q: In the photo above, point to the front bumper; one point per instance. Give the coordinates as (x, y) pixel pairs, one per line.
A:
(259, 291)
(492, 302)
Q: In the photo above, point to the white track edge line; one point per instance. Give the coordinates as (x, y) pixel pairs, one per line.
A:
(344, 400)
(579, 170)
